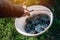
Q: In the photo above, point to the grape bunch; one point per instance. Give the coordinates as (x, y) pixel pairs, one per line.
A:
(37, 23)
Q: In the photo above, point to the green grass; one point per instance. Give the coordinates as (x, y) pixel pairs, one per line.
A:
(8, 31)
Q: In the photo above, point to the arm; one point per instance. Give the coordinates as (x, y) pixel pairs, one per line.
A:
(7, 9)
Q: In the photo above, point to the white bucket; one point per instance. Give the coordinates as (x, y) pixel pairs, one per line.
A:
(35, 9)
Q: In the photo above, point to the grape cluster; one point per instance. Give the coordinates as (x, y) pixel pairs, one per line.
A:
(37, 23)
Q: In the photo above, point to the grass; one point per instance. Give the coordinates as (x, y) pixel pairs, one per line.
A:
(8, 31)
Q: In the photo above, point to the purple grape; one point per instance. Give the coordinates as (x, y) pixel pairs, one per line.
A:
(38, 28)
(35, 21)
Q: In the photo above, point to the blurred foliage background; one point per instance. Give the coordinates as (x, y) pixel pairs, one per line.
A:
(8, 31)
